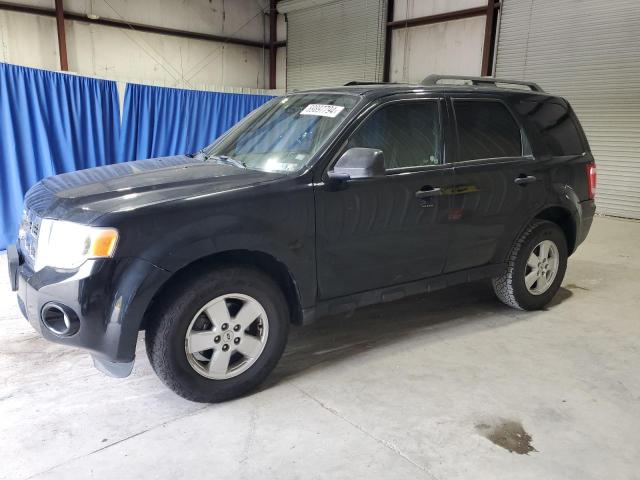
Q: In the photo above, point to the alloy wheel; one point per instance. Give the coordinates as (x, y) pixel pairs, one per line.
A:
(542, 267)
(226, 336)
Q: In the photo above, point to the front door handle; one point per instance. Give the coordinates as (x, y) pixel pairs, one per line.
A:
(426, 193)
(524, 179)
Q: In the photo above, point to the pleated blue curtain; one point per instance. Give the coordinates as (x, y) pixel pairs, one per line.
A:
(158, 121)
(50, 123)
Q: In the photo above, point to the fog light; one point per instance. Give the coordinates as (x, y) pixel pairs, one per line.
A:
(60, 320)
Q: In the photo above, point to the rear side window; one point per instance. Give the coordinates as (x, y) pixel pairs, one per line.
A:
(555, 125)
(486, 129)
(408, 134)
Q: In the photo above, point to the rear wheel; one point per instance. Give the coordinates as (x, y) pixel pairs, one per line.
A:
(535, 267)
(220, 335)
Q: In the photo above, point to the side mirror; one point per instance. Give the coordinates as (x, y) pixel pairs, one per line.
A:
(358, 163)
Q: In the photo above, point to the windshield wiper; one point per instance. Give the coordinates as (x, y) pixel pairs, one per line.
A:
(224, 159)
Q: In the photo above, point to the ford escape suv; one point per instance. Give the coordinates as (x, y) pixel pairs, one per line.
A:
(317, 203)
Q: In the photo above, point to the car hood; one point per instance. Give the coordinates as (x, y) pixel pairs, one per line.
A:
(132, 185)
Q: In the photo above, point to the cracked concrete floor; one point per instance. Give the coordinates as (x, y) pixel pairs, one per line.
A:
(400, 391)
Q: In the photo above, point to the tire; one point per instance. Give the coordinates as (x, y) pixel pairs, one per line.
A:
(173, 319)
(511, 287)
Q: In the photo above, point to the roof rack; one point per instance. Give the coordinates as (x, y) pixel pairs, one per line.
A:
(350, 84)
(480, 81)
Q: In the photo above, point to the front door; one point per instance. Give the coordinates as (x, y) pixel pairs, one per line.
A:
(380, 232)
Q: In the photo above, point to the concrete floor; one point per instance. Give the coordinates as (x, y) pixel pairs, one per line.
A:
(409, 390)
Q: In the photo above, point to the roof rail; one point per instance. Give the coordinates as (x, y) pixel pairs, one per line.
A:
(481, 81)
(355, 82)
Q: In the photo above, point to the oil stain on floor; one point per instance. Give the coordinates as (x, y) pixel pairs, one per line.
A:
(507, 434)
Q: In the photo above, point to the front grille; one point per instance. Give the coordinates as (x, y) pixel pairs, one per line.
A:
(28, 235)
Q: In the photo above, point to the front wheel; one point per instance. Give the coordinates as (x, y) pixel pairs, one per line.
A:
(220, 335)
(535, 268)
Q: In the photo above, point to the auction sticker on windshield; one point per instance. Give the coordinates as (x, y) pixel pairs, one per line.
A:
(322, 110)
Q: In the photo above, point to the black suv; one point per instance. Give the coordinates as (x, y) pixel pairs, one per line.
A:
(317, 203)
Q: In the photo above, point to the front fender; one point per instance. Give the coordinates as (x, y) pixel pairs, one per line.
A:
(278, 221)
(135, 282)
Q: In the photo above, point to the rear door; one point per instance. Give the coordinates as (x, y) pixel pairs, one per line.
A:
(378, 232)
(498, 184)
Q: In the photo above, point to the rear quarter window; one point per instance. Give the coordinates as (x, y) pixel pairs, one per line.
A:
(555, 126)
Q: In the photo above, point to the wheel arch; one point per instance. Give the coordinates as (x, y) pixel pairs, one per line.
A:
(261, 261)
(562, 217)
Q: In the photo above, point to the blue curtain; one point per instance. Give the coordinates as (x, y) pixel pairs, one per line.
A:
(160, 121)
(50, 123)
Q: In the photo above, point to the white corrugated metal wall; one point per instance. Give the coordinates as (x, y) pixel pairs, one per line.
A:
(451, 47)
(589, 52)
(333, 42)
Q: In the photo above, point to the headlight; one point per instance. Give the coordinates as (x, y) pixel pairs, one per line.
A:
(68, 245)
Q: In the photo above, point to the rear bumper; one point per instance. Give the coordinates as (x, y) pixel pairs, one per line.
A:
(109, 298)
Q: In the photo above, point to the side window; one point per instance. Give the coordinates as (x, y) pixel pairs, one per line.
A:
(486, 129)
(408, 134)
(556, 126)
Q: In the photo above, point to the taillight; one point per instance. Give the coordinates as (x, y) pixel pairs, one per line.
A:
(591, 180)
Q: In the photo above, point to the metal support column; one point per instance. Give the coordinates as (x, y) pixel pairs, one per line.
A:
(273, 39)
(62, 42)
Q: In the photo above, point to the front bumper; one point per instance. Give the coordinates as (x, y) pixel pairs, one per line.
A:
(109, 297)
(13, 261)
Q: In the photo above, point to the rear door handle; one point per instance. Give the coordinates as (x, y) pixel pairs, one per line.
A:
(524, 179)
(427, 192)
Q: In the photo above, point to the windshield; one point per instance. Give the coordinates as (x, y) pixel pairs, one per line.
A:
(284, 134)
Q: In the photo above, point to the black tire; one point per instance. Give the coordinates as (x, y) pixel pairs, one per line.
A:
(510, 287)
(170, 320)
